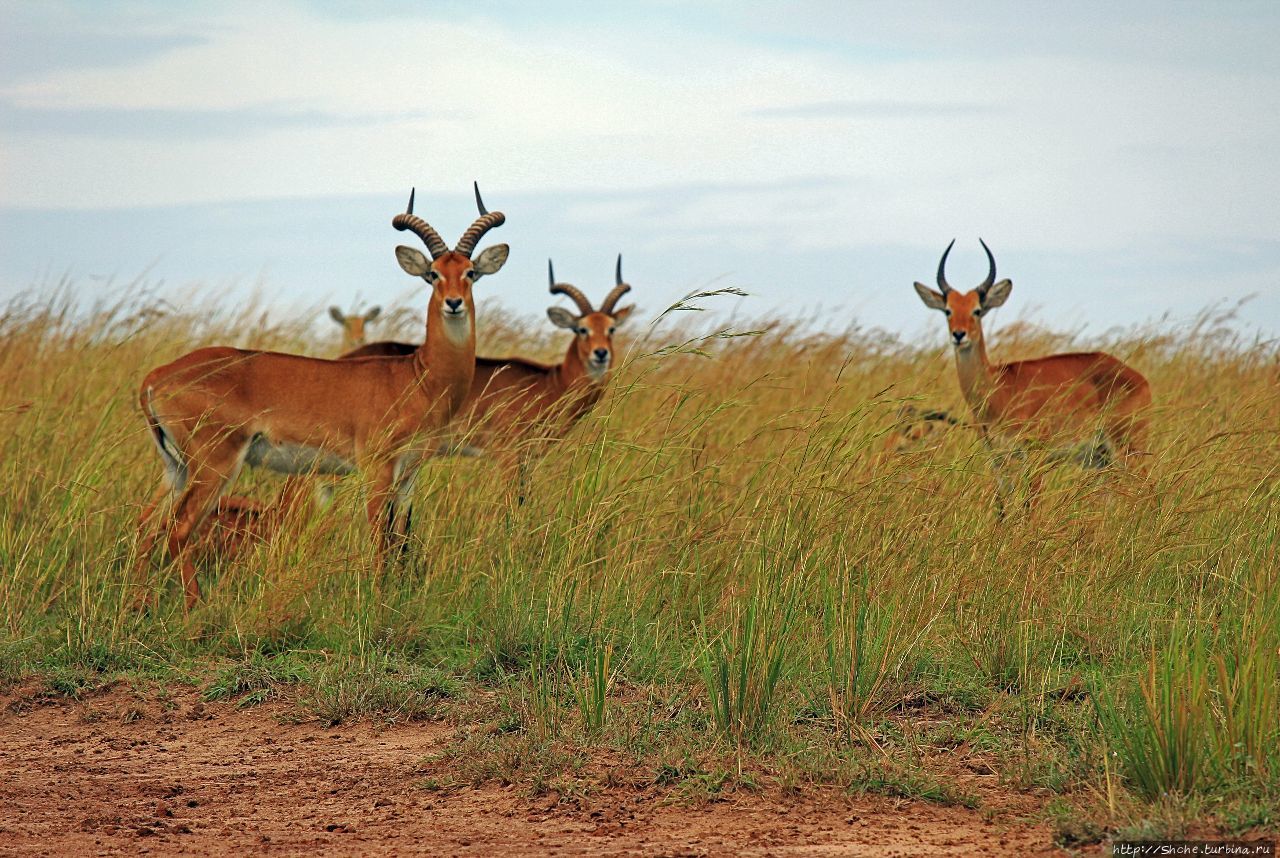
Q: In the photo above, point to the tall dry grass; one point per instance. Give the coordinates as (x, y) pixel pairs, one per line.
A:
(720, 525)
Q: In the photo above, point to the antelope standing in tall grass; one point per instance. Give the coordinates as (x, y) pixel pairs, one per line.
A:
(353, 326)
(216, 409)
(1088, 407)
(236, 522)
(516, 404)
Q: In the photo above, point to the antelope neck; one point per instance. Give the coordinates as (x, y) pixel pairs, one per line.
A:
(975, 377)
(439, 359)
(571, 372)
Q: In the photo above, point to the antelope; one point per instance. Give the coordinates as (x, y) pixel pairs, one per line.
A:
(353, 326)
(1092, 401)
(236, 523)
(914, 428)
(513, 399)
(216, 409)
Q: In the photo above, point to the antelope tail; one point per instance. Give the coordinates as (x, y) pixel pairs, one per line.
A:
(175, 465)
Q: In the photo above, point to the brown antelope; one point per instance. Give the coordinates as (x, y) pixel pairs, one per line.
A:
(514, 400)
(914, 428)
(353, 326)
(236, 523)
(216, 409)
(1088, 407)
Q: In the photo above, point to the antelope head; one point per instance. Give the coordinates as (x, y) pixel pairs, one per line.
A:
(353, 325)
(594, 328)
(964, 310)
(451, 273)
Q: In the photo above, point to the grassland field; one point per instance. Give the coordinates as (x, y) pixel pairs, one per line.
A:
(716, 579)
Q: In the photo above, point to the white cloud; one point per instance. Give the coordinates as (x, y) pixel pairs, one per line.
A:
(817, 143)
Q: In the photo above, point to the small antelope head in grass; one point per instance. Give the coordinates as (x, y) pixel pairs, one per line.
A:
(354, 326)
(593, 328)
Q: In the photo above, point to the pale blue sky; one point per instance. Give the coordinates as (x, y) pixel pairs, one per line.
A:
(1119, 158)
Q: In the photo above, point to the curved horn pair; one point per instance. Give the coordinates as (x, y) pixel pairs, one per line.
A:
(411, 222)
(621, 288)
(982, 287)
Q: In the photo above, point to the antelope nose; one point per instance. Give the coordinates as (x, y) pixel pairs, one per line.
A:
(453, 303)
(958, 336)
(602, 355)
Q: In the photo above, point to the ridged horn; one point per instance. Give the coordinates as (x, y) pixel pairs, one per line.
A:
(487, 221)
(419, 227)
(942, 269)
(991, 270)
(620, 288)
(584, 306)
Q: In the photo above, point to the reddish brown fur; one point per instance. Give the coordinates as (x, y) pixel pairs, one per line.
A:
(371, 412)
(1049, 399)
(513, 399)
(1056, 401)
(236, 523)
(515, 402)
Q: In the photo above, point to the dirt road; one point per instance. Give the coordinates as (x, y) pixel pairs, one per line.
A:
(116, 775)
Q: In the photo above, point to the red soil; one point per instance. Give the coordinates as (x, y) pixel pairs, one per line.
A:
(120, 774)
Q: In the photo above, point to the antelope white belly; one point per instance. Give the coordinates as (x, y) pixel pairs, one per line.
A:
(287, 458)
(1093, 454)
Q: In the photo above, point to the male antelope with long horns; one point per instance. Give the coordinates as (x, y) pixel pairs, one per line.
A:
(216, 409)
(1087, 407)
(516, 404)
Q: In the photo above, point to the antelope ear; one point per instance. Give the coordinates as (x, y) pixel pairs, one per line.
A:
(562, 318)
(412, 261)
(336, 315)
(620, 315)
(490, 260)
(933, 300)
(373, 313)
(997, 294)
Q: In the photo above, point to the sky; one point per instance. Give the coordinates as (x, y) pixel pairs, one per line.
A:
(1119, 158)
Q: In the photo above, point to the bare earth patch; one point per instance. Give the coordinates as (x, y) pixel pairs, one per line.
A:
(115, 774)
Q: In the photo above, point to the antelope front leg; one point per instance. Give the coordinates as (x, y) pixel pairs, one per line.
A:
(522, 478)
(401, 517)
(997, 462)
(1008, 477)
(379, 510)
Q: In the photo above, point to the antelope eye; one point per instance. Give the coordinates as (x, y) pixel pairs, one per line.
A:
(977, 312)
(469, 275)
(946, 311)
(582, 331)
(611, 330)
